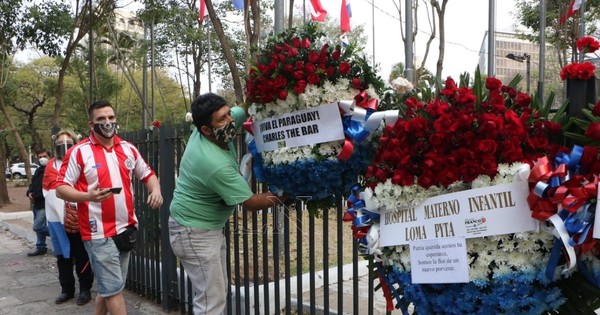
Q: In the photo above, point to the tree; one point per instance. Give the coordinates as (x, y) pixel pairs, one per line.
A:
(562, 36)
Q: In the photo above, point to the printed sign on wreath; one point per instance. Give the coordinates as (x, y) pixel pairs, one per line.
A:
(493, 210)
(303, 127)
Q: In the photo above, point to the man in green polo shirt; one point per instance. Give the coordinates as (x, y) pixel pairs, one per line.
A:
(208, 189)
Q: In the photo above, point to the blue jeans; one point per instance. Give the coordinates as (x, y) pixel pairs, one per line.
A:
(202, 254)
(41, 228)
(108, 264)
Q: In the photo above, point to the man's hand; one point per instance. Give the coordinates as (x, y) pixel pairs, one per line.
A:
(155, 199)
(30, 196)
(99, 194)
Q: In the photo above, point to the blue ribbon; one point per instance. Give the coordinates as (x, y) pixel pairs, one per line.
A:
(257, 164)
(354, 129)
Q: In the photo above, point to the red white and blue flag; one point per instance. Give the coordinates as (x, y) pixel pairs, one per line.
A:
(316, 10)
(573, 8)
(202, 12)
(238, 4)
(345, 15)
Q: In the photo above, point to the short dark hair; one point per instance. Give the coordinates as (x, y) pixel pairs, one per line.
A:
(97, 105)
(204, 106)
(42, 150)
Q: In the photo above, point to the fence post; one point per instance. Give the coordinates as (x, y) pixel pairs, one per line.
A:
(167, 182)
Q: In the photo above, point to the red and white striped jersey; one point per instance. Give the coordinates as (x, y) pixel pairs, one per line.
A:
(88, 165)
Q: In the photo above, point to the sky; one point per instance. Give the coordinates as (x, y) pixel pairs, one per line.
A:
(466, 23)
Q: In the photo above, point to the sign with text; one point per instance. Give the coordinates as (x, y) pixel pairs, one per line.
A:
(439, 261)
(303, 127)
(494, 210)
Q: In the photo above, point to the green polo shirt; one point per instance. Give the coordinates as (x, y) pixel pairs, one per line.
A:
(209, 185)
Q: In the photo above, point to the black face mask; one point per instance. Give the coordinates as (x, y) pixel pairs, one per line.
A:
(107, 129)
(61, 150)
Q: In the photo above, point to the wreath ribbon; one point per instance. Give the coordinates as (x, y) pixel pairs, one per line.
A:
(564, 197)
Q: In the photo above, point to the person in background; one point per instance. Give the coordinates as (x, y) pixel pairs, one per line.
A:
(93, 174)
(65, 236)
(208, 189)
(34, 192)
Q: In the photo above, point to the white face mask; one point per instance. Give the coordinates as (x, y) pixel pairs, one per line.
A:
(43, 161)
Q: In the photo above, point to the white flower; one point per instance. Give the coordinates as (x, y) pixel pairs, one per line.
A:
(189, 118)
(402, 85)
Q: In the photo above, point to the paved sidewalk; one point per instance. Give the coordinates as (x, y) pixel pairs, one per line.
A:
(29, 285)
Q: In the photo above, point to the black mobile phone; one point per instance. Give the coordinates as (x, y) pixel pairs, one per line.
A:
(115, 190)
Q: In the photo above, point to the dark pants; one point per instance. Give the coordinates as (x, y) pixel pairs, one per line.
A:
(83, 268)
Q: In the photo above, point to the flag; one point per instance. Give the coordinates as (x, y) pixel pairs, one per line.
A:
(573, 8)
(202, 12)
(317, 12)
(345, 40)
(238, 4)
(345, 16)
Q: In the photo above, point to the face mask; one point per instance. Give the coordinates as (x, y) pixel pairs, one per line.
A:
(106, 130)
(43, 161)
(61, 149)
(226, 133)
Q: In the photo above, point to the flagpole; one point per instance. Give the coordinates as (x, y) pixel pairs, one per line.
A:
(582, 25)
(409, 73)
(542, 56)
(373, 26)
(492, 39)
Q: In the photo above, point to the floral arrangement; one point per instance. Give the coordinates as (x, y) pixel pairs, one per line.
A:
(462, 139)
(298, 70)
(581, 70)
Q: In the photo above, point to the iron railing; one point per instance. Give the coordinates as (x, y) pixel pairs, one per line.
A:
(280, 261)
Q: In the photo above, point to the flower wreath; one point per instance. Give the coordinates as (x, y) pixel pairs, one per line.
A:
(296, 71)
(462, 139)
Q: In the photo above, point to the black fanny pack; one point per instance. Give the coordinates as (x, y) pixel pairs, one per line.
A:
(126, 240)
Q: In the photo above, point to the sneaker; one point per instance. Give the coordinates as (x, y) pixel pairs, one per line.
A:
(38, 252)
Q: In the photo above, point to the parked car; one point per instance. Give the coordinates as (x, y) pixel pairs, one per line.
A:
(17, 170)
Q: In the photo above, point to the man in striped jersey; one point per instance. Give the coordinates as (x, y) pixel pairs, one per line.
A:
(90, 172)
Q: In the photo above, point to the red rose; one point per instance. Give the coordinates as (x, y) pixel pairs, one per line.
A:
(299, 65)
(417, 126)
(313, 78)
(298, 75)
(279, 82)
(310, 68)
(489, 166)
(156, 123)
(344, 68)
(448, 175)
(300, 87)
(356, 83)
(492, 84)
(445, 123)
(469, 171)
(330, 71)
(593, 131)
(336, 54)
(305, 43)
(427, 179)
(596, 109)
(283, 94)
(522, 100)
(487, 146)
(587, 44)
(313, 56)
(296, 42)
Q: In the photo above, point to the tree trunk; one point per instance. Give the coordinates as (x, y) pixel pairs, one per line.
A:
(442, 48)
(20, 145)
(235, 75)
(4, 198)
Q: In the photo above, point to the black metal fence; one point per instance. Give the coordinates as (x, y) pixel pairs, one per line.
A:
(281, 261)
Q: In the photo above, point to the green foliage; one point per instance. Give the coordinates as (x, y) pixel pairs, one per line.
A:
(47, 25)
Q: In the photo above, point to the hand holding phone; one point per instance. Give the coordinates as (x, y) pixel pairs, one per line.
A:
(115, 190)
